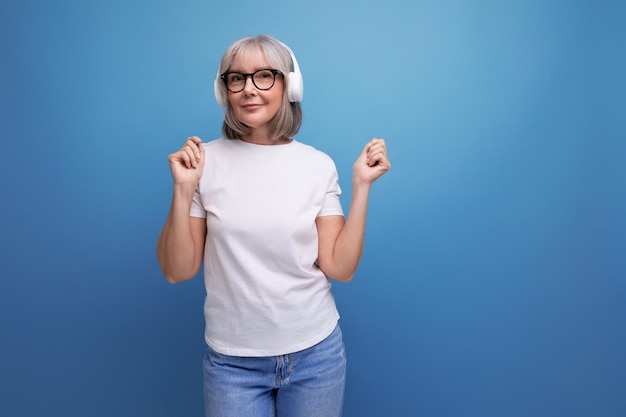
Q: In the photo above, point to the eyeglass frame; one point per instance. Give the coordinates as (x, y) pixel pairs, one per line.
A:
(250, 75)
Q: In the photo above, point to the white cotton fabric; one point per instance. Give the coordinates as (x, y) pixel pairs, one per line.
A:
(265, 294)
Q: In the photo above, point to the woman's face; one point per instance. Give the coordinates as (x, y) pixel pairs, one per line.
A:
(251, 106)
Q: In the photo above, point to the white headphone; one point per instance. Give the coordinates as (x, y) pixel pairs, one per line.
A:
(295, 89)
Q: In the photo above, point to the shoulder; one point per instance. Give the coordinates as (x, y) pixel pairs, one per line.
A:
(218, 148)
(313, 154)
(215, 144)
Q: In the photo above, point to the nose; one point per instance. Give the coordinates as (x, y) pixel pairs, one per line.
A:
(248, 85)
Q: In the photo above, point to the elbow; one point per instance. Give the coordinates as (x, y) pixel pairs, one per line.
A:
(339, 275)
(175, 275)
(343, 277)
(336, 272)
(172, 279)
(177, 278)
(178, 271)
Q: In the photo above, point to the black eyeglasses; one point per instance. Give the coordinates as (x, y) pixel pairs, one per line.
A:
(262, 79)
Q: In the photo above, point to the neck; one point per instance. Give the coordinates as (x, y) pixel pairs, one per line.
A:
(262, 138)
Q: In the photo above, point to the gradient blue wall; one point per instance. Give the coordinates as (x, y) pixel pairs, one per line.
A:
(494, 278)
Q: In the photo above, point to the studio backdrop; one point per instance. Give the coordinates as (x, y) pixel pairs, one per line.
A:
(493, 281)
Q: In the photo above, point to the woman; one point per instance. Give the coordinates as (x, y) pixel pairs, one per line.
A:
(262, 211)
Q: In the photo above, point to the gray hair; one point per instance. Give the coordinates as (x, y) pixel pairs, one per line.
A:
(288, 120)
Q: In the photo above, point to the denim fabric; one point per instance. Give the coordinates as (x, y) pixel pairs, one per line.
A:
(309, 383)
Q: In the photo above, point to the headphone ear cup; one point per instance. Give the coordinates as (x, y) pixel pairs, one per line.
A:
(221, 101)
(296, 87)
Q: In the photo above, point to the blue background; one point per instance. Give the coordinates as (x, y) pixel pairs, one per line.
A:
(493, 281)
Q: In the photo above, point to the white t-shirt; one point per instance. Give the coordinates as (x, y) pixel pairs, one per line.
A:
(265, 294)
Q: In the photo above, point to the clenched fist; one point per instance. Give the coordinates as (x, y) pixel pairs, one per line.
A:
(187, 163)
(372, 163)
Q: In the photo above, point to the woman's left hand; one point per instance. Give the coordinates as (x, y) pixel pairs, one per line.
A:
(372, 163)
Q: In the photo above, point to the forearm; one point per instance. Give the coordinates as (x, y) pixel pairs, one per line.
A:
(350, 242)
(176, 249)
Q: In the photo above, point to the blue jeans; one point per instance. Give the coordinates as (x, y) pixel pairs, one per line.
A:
(308, 383)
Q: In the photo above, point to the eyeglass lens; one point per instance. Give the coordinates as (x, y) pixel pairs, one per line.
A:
(262, 79)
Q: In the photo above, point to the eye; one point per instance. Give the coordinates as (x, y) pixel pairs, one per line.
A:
(264, 75)
(235, 77)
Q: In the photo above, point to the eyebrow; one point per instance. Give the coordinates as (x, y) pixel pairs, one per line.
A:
(242, 72)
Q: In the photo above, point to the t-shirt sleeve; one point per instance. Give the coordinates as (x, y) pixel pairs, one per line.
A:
(197, 209)
(332, 204)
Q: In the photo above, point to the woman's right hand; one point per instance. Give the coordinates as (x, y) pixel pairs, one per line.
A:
(187, 163)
